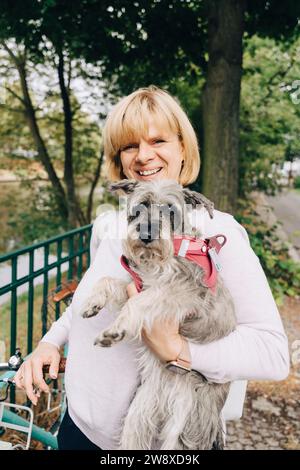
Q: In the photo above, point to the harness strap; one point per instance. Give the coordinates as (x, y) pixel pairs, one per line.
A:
(203, 252)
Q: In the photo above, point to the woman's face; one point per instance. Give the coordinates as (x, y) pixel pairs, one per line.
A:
(160, 155)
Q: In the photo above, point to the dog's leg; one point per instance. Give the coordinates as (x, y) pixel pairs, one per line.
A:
(203, 429)
(140, 426)
(140, 310)
(142, 423)
(129, 322)
(105, 290)
(192, 418)
(218, 444)
(170, 434)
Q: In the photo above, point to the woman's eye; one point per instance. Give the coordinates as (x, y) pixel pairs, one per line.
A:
(128, 147)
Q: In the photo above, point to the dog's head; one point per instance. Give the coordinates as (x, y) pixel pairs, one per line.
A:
(156, 210)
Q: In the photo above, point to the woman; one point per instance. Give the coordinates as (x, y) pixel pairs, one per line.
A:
(148, 136)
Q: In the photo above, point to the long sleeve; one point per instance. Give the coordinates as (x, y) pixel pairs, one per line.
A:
(58, 334)
(258, 348)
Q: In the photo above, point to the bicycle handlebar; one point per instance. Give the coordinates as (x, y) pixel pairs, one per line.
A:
(15, 362)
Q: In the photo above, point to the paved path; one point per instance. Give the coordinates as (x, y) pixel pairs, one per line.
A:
(286, 207)
(23, 270)
(271, 417)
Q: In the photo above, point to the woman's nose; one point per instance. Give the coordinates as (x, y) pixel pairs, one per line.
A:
(145, 153)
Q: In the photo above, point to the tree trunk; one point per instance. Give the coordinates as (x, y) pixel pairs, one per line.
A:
(221, 100)
(93, 187)
(30, 117)
(76, 216)
(40, 144)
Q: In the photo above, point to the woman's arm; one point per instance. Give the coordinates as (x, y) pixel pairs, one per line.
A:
(47, 351)
(59, 332)
(258, 348)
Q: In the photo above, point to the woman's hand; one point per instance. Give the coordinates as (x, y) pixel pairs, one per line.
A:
(164, 338)
(30, 374)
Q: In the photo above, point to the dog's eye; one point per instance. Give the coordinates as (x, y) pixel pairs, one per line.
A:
(135, 212)
(139, 209)
(173, 209)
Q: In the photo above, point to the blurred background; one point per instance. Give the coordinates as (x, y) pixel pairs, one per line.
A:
(235, 68)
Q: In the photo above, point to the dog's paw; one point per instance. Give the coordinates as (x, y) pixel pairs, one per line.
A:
(109, 337)
(93, 306)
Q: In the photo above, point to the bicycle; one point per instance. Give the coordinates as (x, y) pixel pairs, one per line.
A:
(10, 418)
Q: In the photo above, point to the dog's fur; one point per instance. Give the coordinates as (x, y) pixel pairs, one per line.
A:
(180, 411)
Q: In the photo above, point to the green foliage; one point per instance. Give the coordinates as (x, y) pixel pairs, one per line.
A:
(297, 182)
(269, 113)
(160, 42)
(32, 215)
(282, 272)
(123, 36)
(189, 96)
(19, 156)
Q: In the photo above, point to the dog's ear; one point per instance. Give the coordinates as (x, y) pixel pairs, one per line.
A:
(194, 198)
(126, 186)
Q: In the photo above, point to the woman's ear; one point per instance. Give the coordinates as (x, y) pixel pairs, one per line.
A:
(126, 186)
(194, 198)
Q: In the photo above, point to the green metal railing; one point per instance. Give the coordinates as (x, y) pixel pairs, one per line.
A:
(71, 248)
(64, 257)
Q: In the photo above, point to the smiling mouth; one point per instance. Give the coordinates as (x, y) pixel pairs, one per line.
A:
(149, 172)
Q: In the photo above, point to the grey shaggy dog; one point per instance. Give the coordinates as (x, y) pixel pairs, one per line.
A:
(182, 412)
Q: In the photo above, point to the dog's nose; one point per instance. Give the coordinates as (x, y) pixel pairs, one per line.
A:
(149, 232)
(146, 238)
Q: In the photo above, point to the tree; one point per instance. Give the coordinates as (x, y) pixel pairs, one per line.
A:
(269, 112)
(69, 205)
(204, 40)
(221, 102)
(163, 41)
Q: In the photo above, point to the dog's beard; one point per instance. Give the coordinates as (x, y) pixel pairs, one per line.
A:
(155, 253)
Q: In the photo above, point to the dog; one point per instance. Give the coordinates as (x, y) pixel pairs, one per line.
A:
(182, 411)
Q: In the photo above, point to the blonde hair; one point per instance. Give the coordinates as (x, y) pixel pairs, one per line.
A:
(129, 119)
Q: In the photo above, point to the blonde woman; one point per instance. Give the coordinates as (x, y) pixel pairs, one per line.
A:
(148, 136)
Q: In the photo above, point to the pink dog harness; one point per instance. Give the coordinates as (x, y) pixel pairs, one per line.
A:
(203, 252)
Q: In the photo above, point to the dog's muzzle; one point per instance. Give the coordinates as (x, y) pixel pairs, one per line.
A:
(149, 232)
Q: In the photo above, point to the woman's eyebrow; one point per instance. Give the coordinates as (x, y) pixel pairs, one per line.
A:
(158, 136)
(127, 144)
(163, 136)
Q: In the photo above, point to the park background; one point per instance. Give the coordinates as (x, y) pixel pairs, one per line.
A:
(235, 68)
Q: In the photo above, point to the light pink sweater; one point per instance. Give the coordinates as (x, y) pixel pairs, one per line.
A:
(101, 382)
